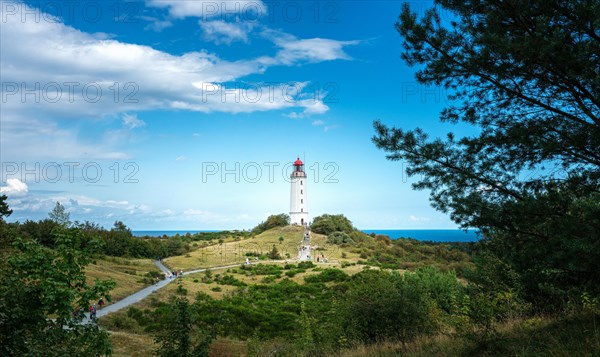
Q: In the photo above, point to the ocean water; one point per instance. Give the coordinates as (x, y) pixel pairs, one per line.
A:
(434, 235)
(168, 233)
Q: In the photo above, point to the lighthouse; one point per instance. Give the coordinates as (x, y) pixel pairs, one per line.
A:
(298, 211)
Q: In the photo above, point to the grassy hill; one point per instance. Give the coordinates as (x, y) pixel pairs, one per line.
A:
(575, 334)
(234, 250)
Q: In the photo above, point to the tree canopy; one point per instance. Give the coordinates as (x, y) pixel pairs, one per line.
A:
(329, 223)
(41, 289)
(274, 220)
(528, 78)
(60, 215)
(4, 210)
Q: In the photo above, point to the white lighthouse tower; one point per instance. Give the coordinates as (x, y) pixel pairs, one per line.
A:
(298, 211)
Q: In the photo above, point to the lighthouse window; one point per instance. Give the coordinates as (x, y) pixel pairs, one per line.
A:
(301, 209)
(301, 201)
(300, 182)
(301, 192)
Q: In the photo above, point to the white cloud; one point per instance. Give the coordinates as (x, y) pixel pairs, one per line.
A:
(329, 128)
(131, 121)
(180, 158)
(318, 122)
(247, 9)
(222, 32)
(47, 140)
(14, 188)
(414, 218)
(156, 25)
(294, 50)
(194, 212)
(146, 78)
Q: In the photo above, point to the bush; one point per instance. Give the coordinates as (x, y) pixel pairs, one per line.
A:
(120, 322)
(263, 269)
(380, 305)
(181, 290)
(268, 279)
(329, 274)
(230, 280)
(306, 265)
(327, 224)
(274, 253)
(280, 220)
(339, 238)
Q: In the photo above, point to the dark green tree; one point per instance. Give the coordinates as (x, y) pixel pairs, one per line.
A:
(379, 305)
(329, 223)
(174, 338)
(339, 238)
(527, 76)
(278, 220)
(181, 334)
(40, 289)
(274, 253)
(4, 210)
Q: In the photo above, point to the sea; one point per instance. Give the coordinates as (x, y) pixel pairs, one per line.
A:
(433, 235)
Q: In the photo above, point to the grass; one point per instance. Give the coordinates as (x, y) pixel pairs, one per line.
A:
(127, 273)
(233, 251)
(126, 344)
(577, 335)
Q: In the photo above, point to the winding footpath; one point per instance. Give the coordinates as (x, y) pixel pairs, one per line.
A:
(144, 293)
(303, 254)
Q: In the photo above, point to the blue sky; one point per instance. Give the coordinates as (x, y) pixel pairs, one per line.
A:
(187, 114)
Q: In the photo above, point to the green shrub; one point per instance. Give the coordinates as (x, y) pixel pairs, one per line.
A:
(339, 238)
(181, 290)
(268, 279)
(329, 274)
(306, 265)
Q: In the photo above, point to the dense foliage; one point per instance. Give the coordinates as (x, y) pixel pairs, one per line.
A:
(278, 220)
(372, 305)
(40, 289)
(117, 241)
(527, 76)
(328, 223)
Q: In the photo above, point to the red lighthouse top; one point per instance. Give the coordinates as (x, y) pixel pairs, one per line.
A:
(298, 169)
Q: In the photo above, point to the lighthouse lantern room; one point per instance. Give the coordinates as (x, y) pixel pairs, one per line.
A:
(298, 211)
